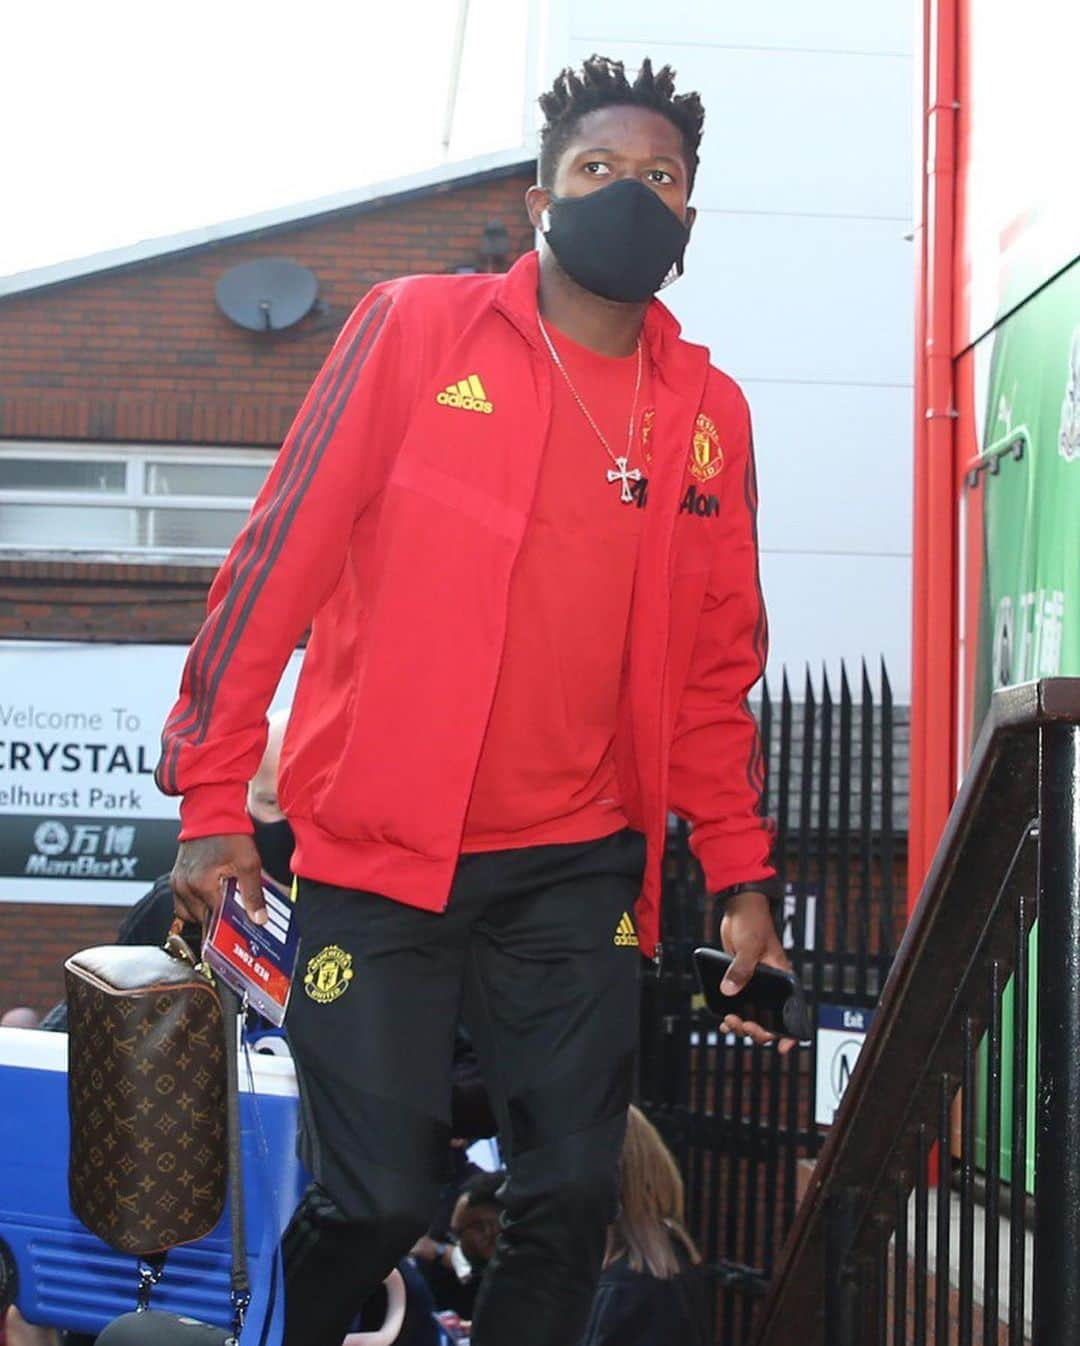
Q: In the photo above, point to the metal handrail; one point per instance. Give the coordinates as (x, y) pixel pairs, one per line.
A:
(1013, 835)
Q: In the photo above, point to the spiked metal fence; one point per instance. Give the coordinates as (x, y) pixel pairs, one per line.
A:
(740, 1118)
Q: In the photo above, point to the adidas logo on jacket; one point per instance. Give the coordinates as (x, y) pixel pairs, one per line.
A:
(468, 394)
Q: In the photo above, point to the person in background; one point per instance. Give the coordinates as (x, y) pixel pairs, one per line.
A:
(22, 1016)
(16, 1331)
(273, 836)
(149, 920)
(652, 1290)
(455, 1270)
(419, 1327)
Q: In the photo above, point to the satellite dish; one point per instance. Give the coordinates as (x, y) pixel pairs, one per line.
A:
(266, 295)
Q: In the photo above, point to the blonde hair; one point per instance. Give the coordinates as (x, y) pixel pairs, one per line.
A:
(650, 1219)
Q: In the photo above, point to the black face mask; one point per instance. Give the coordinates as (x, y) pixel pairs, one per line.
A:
(620, 242)
(275, 843)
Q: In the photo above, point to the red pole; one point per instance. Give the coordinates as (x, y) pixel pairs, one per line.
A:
(935, 562)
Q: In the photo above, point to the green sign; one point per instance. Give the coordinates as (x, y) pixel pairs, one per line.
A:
(1030, 601)
(1030, 621)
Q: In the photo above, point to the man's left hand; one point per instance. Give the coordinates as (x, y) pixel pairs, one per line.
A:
(747, 931)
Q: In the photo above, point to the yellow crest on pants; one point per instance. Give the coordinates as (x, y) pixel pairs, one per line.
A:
(328, 974)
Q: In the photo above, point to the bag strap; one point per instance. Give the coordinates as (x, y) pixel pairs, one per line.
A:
(239, 1282)
(273, 1329)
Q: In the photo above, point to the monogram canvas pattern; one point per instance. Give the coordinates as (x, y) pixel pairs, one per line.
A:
(146, 1097)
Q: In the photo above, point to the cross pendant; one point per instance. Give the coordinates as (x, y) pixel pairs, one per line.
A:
(626, 476)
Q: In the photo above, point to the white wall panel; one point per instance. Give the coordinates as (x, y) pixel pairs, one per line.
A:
(834, 467)
(833, 25)
(826, 608)
(801, 282)
(809, 132)
(800, 298)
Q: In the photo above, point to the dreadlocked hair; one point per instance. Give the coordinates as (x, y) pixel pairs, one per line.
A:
(602, 82)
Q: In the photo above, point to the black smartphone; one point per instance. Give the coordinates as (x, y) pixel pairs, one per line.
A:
(771, 998)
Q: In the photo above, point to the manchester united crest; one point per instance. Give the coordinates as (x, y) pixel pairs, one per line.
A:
(706, 455)
(328, 974)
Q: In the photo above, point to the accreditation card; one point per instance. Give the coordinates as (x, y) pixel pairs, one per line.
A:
(255, 960)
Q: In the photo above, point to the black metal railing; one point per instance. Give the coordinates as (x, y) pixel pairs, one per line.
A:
(740, 1119)
(862, 1266)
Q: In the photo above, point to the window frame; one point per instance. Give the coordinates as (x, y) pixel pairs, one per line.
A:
(136, 458)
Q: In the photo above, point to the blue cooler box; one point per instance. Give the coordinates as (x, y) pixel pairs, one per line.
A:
(68, 1278)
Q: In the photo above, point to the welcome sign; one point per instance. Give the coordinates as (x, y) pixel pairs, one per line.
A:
(81, 819)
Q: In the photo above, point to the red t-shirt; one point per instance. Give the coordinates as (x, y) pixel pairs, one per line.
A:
(547, 771)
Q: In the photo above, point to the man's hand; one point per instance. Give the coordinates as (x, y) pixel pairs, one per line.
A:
(747, 931)
(202, 866)
(428, 1250)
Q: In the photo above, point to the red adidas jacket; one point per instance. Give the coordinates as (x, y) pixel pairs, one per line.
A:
(390, 524)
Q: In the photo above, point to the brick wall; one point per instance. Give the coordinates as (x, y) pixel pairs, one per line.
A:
(35, 940)
(144, 355)
(66, 600)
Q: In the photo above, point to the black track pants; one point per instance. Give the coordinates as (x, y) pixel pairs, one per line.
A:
(535, 952)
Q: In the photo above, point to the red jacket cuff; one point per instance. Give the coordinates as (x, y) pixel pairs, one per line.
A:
(727, 860)
(214, 811)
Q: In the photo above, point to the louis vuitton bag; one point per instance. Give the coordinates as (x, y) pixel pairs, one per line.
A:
(148, 1164)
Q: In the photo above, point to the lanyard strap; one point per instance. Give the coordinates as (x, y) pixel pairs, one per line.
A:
(273, 1328)
(239, 1283)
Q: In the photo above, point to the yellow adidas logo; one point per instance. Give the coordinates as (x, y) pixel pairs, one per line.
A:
(625, 934)
(468, 394)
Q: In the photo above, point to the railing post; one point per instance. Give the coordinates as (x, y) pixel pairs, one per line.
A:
(841, 1274)
(1057, 1229)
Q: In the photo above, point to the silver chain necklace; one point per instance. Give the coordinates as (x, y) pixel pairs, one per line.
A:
(623, 472)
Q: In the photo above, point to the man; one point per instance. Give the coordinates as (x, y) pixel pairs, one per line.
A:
(517, 514)
(474, 1226)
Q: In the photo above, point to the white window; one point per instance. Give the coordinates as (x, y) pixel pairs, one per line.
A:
(131, 502)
